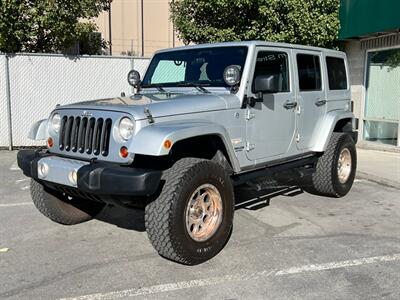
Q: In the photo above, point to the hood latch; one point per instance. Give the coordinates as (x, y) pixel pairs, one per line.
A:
(148, 115)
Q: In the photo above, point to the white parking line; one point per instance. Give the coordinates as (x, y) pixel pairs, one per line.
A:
(338, 265)
(25, 188)
(14, 166)
(162, 288)
(22, 180)
(16, 204)
(359, 180)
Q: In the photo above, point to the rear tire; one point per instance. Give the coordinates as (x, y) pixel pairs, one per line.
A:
(191, 220)
(336, 168)
(58, 208)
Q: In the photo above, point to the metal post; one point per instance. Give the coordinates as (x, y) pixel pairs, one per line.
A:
(8, 97)
(110, 26)
(173, 31)
(142, 13)
(132, 68)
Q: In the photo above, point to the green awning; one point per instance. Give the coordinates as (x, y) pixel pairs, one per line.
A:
(366, 17)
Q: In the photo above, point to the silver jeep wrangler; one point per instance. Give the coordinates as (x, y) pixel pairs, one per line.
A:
(203, 120)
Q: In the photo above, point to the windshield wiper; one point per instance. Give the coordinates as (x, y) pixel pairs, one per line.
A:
(158, 87)
(198, 86)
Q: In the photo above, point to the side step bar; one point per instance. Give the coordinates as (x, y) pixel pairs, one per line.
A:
(288, 170)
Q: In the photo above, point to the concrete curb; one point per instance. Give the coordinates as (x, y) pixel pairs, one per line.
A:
(377, 179)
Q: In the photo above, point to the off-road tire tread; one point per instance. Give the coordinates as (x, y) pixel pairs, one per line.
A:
(56, 209)
(322, 179)
(159, 213)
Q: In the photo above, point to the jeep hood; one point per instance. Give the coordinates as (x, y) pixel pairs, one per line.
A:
(161, 104)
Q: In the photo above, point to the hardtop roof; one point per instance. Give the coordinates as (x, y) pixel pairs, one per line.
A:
(255, 44)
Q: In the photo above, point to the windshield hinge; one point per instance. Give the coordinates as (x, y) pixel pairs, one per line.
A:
(250, 115)
(250, 147)
(148, 115)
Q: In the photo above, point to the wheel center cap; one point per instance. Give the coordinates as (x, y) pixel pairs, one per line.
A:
(197, 211)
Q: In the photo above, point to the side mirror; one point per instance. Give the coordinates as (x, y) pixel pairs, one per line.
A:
(266, 84)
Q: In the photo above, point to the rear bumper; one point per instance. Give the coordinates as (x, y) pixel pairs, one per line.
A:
(97, 178)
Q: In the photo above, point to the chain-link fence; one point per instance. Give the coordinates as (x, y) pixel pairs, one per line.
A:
(31, 85)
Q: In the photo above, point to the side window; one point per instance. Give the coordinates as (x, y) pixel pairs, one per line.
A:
(309, 70)
(336, 73)
(169, 71)
(273, 64)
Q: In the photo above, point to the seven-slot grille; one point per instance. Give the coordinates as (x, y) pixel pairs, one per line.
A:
(85, 135)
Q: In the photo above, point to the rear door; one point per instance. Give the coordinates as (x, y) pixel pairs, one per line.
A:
(310, 95)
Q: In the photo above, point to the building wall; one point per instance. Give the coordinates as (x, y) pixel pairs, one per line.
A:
(356, 61)
(127, 28)
(356, 54)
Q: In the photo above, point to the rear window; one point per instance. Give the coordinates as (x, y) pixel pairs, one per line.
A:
(336, 73)
(309, 70)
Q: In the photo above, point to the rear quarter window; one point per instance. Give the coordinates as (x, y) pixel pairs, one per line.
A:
(337, 77)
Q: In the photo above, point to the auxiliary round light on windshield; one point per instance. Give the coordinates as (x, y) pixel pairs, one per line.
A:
(232, 75)
(134, 78)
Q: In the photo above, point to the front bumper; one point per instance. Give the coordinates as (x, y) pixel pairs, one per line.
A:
(96, 178)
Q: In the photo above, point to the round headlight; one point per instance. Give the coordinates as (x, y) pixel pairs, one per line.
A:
(134, 78)
(232, 75)
(126, 128)
(56, 122)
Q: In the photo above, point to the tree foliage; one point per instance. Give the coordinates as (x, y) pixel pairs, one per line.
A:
(308, 22)
(46, 25)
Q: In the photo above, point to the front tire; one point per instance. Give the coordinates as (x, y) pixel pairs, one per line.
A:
(191, 220)
(58, 208)
(336, 168)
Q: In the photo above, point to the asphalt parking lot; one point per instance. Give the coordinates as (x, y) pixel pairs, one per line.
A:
(291, 245)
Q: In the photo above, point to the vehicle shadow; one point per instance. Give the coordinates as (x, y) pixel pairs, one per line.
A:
(246, 198)
(127, 218)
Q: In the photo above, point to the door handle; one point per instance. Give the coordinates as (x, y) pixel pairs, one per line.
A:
(320, 102)
(290, 105)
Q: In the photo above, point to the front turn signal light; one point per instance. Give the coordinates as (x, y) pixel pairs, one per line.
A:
(50, 142)
(123, 152)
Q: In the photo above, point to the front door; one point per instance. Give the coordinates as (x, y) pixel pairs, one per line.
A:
(271, 123)
(310, 96)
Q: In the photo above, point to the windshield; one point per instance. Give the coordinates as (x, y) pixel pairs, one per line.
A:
(193, 67)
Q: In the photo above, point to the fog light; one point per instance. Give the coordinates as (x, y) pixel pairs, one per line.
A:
(123, 152)
(73, 177)
(43, 169)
